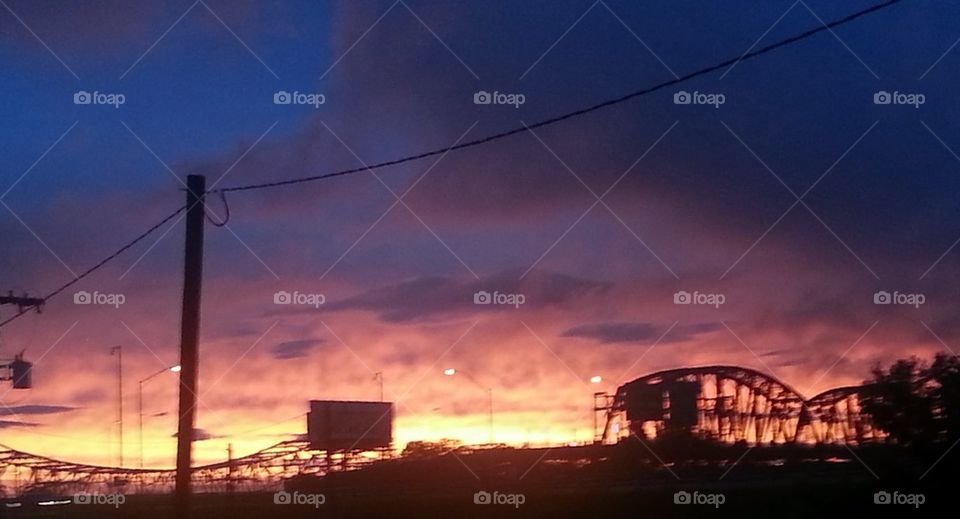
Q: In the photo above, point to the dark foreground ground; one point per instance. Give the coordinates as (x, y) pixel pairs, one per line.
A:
(601, 482)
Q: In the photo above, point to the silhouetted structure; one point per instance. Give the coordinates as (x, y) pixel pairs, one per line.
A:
(734, 404)
(726, 404)
(262, 470)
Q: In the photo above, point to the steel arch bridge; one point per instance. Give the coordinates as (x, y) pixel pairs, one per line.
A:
(23, 472)
(734, 404)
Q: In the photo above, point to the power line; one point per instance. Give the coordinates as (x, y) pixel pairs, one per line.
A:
(96, 267)
(571, 115)
(226, 208)
(480, 141)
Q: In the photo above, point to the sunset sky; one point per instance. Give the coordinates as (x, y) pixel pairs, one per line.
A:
(597, 221)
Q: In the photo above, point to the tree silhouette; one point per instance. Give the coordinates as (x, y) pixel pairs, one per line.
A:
(426, 449)
(945, 375)
(915, 403)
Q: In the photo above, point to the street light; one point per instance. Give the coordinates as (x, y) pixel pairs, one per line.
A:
(451, 372)
(172, 369)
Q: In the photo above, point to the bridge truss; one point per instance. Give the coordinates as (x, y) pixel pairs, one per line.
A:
(733, 404)
(23, 472)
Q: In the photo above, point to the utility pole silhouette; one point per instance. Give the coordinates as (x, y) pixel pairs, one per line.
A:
(22, 302)
(189, 339)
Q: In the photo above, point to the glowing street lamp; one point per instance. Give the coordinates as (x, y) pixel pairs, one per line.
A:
(172, 369)
(451, 372)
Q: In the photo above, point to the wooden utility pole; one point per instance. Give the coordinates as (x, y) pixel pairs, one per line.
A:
(189, 338)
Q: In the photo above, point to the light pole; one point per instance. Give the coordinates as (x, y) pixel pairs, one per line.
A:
(172, 369)
(118, 351)
(451, 372)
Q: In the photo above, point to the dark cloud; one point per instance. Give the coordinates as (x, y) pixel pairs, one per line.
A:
(639, 332)
(35, 409)
(434, 298)
(116, 27)
(6, 424)
(294, 349)
(201, 435)
(700, 197)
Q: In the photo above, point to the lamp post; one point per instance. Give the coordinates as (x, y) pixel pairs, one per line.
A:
(451, 372)
(172, 369)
